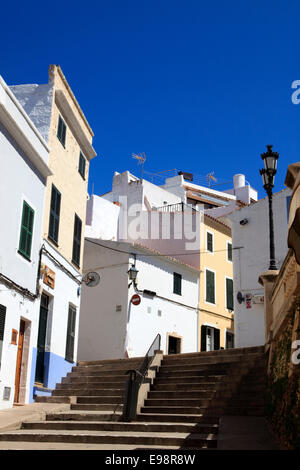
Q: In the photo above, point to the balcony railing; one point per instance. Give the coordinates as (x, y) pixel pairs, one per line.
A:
(178, 207)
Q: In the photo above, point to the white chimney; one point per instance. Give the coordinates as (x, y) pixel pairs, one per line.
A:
(239, 181)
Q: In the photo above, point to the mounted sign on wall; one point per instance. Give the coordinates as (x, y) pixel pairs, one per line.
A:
(135, 299)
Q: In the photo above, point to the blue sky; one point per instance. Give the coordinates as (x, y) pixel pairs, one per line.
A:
(198, 86)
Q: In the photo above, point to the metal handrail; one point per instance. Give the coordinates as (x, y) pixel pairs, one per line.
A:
(177, 207)
(135, 380)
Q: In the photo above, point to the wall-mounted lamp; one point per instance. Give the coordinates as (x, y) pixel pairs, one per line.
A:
(132, 273)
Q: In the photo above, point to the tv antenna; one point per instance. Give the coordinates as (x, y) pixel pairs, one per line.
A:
(141, 157)
(209, 177)
(91, 279)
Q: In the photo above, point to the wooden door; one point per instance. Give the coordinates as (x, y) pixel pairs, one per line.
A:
(40, 366)
(19, 361)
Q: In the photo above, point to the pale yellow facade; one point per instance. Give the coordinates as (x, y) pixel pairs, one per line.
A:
(64, 163)
(215, 314)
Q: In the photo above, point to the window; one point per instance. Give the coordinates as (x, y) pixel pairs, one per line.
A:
(61, 131)
(26, 231)
(76, 240)
(229, 251)
(54, 215)
(209, 242)
(210, 338)
(210, 287)
(81, 167)
(229, 340)
(229, 294)
(177, 280)
(71, 334)
(2, 325)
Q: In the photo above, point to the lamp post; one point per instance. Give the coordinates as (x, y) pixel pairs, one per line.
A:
(268, 174)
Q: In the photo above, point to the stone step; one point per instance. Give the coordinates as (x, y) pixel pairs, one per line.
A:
(126, 360)
(165, 373)
(181, 394)
(111, 437)
(52, 399)
(101, 400)
(95, 384)
(76, 415)
(99, 373)
(196, 379)
(89, 392)
(97, 407)
(122, 426)
(73, 377)
(188, 402)
(197, 367)
(182, 410)
(218, 353)
(230, 358)
(165, 387)
(107, 367)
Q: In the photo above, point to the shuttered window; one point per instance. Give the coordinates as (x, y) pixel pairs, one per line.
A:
(2, 325)
(61, 131)
(26, 231)
(54, 214)
(210, 287)
(229, 294)
(209, 241)
(81, 167)
(71, 334)
(76, 240)
(229, 251)
(177, 281)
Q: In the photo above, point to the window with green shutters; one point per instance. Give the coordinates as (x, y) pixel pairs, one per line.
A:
(71, 334)
(177, 281)
(54, 215)
(229, 251)
(77, 240)
(210, 287)
(25, 241)
(81, 167)
(61, 131)
(2, 325)
(229, 294)
(209, 242)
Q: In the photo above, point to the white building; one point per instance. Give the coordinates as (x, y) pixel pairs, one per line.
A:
(112, 327)
(250, 240)
(23, 175)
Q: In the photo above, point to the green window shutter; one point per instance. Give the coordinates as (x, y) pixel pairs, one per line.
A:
(71, 334)
(216, 339)
(229, 252)
(203, 338)
(229, 294)
(209, 242)
(81, 167)
(177, 281)
(61, 131)
(210, 287)
(77, 240)
(54, 214)
(2, 325)
(25, 241)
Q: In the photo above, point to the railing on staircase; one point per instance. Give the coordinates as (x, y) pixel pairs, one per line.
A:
(136, 378)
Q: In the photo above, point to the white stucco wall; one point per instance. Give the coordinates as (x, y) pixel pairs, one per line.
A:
(252, 258)
(20, 181)
(102, 219)
(110, 325)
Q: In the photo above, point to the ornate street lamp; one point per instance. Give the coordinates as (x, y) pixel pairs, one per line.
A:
(132, 273)
(268, 174)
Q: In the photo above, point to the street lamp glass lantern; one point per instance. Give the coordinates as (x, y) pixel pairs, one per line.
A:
(270, 159)
(133, 272)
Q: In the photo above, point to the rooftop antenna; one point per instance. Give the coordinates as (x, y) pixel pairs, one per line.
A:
(209, 177)
(141, 157)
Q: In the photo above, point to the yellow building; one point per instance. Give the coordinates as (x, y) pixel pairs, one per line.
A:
(216, 327)
(57, 115)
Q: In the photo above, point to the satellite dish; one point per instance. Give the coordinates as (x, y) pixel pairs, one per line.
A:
(91, 279)
(240, 297)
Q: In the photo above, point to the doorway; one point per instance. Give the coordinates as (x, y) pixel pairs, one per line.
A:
(174, 344)
(40, 359)
(19, 361)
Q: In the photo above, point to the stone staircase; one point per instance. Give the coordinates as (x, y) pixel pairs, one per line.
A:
(182, 409)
